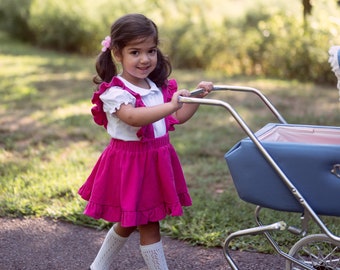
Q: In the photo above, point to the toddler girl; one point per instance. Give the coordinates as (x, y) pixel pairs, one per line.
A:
(138, 179)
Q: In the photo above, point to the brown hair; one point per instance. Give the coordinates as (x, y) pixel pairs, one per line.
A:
(126, 29)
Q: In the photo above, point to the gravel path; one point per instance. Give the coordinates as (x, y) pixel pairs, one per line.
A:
(44, 244)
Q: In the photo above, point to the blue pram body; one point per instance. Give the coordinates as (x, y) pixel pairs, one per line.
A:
(305, 153)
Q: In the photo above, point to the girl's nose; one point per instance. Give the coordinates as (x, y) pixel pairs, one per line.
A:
(144, 58)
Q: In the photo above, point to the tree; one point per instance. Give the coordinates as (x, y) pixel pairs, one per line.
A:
(307, 8)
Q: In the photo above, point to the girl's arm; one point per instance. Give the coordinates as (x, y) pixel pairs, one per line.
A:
(142, 116)
(188, 110)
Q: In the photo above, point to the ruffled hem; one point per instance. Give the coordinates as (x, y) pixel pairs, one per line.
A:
(130, 218)
(114, 97)
(85, 192)
(172, 121)
(117, 107)
(168, 91)
(99, 116)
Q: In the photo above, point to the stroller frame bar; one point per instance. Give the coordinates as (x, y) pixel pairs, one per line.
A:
(238, 89)
(265, 229)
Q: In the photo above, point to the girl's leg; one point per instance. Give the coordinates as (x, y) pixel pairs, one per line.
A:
(151, 246)
(113, 242)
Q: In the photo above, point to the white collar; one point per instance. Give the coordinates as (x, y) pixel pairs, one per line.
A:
(140, 90)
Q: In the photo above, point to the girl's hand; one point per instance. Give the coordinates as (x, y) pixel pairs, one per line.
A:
(206, 86)
(188, 110)
(174, 99)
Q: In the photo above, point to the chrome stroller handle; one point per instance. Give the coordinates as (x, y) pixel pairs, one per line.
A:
(238, 89)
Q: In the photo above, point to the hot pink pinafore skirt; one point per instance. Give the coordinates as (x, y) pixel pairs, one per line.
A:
(136, 182)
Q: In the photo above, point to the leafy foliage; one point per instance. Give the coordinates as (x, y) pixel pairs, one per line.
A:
(268, 38)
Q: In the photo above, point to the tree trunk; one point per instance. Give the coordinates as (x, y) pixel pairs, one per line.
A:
(307, 8)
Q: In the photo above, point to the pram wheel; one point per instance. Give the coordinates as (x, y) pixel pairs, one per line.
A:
(317, 251)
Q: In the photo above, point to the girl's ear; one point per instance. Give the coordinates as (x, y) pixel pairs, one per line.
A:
(116, 55)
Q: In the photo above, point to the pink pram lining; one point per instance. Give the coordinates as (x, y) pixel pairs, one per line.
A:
(302, 134)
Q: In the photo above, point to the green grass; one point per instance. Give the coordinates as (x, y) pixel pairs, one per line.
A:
(49, 143)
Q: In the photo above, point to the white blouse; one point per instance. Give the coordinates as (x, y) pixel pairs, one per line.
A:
(114, 97)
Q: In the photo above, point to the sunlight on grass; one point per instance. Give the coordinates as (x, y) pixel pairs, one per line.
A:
(48, 177)
(64, 113)
(22, 65)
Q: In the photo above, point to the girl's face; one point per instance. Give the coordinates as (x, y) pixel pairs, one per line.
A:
(138, 59)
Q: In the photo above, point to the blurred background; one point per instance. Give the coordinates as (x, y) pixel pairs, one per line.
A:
(282, 39)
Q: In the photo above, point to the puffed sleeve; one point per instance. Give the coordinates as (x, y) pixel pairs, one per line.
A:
(114, 97)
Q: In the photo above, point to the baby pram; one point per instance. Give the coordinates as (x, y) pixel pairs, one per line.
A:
(286, 167)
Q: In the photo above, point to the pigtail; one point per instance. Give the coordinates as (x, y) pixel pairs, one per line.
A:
(162, 71)
(105, 67)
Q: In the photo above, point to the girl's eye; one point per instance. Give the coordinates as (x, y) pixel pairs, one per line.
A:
(135, 53)
(153, 51)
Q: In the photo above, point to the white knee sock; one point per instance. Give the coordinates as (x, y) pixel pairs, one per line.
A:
(112, 245)
(154, 256)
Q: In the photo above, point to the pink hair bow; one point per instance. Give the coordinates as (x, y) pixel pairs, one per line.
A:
(106, 43)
